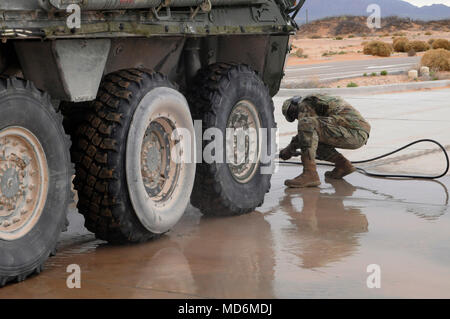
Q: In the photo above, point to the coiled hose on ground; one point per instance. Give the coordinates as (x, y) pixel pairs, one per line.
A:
(363, 171)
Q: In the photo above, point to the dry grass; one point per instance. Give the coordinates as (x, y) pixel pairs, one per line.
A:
(441, 44)
(400, 44)
(357, 26)
(352, 46)
(437, 60)
(377, 48)
(412, 52)
(418, 46)
(311, 83)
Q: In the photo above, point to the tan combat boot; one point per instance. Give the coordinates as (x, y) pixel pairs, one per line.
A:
(309, 177)
(343, 167)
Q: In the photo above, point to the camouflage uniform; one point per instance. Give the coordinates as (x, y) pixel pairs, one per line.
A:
(325, 123)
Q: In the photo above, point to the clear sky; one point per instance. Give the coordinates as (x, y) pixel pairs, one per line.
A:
(420, 3)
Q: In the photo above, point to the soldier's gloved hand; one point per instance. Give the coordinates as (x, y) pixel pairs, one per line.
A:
(286, 153)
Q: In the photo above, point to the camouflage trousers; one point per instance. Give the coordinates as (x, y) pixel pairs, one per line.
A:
(320, 136)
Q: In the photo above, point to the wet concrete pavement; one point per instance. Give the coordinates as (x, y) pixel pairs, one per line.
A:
(396, 119)
(299, 244)
(311, 243)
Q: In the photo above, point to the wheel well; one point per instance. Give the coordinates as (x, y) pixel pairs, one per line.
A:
(71, 69)
(265, 54)
(9, 62)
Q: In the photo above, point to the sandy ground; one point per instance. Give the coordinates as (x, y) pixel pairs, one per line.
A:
(382, 80)
(351, 47)
(370, 80)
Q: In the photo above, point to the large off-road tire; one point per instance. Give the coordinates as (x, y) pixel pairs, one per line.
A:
(224, 95)
(35, 179)
(129, 187)
(74, 114)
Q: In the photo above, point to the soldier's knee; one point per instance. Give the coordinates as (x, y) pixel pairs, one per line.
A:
(363, 138)
(356, 140)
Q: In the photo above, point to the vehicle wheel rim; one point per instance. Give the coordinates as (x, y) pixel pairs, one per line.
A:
(243, 160)
(159, 173)
(23, 182)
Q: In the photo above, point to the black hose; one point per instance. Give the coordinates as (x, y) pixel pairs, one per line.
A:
(297, 7)
(363, 171)
(295, 10)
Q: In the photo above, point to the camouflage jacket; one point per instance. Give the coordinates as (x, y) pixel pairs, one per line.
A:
(333, 106)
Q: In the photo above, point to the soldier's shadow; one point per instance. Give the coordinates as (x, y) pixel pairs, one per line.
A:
(326, 229)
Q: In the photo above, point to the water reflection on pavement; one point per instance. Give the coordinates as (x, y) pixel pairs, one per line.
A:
(314, 242)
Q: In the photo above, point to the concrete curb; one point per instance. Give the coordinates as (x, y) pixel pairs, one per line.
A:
(398, 87)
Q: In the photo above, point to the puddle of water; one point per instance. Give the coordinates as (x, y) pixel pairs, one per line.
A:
(314, 242)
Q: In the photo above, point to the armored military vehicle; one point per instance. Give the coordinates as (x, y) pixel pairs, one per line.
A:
(101, 89)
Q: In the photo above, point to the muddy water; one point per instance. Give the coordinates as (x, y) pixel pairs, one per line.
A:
(301, 243)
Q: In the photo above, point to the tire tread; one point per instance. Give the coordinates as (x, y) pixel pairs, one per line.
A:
(15, 84)
(209, 89)
(100, 173)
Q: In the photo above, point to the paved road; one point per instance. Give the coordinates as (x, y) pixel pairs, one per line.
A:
(348, 69)
(310, 243)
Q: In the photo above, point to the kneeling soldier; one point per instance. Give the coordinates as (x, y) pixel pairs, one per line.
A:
(324, 123)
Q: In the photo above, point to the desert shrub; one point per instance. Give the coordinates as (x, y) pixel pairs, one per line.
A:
(315, 36)
(377, 48)
(373, 74)
(351, 36)
(418, 46)
(351, 26)
(399, 44)
(329, 53)
(411, 52)
(441, 44)
(367, 49)
(399, 34)
(339, 38)
(430, 41)
(384, 73)
(299, 52)
(311, 83)
(428, 33)
(391, 46)
(352, 85)
(437, 60)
